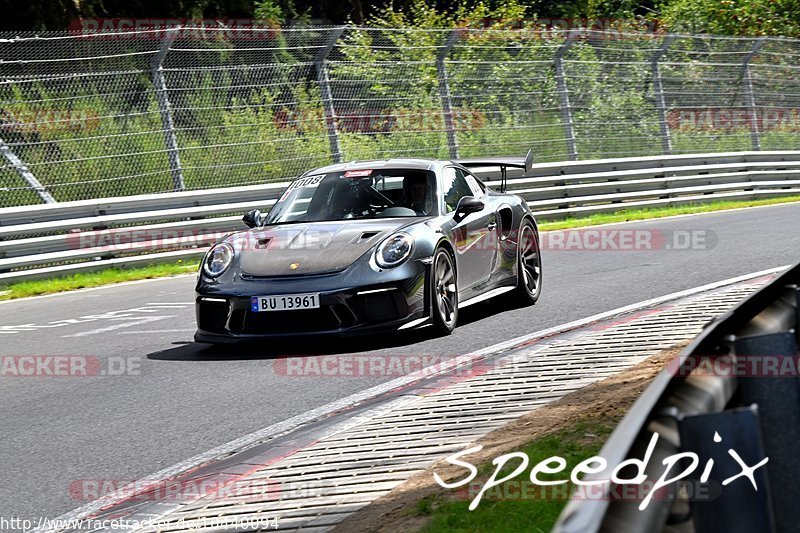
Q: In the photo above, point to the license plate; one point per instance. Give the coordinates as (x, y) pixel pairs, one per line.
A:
(284, 302)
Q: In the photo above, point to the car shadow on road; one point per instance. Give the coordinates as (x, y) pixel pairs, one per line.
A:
(275, 349)
(469, 319)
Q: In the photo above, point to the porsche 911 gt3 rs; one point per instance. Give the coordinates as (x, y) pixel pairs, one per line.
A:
(370, 246)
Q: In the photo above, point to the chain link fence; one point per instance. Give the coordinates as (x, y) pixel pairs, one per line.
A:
(111, 114)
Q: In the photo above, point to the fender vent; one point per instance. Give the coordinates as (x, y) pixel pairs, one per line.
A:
(368, 235)
(263, 243)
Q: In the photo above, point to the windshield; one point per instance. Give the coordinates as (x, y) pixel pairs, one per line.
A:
(357, 194)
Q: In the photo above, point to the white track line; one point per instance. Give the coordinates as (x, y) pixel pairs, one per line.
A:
(281, 428)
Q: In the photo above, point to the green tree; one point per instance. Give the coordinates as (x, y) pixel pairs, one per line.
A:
(36, 15)
(733, 17)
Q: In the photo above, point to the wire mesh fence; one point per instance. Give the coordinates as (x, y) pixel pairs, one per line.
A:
(108, 114)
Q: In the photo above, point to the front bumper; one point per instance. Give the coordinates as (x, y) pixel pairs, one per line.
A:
(225, 318)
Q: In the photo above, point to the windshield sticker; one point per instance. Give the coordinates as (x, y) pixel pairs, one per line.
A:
(309, 181)
(357, 173)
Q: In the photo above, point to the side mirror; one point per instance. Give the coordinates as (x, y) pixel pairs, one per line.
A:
(467, 205)
(252, 218)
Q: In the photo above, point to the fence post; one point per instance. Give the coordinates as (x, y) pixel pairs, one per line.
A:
(750, 96)
(658, 91)
(25, 173)
(444, 92)
(327, 95)
(165, 109)
(564, 107)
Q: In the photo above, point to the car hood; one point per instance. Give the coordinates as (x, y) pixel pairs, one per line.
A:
(310, 248)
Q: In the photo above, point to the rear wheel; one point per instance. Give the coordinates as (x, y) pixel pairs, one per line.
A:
(529, 265)
(444, 292)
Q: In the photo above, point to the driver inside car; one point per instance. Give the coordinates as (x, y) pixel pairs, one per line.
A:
(415, 190)
(350, 199)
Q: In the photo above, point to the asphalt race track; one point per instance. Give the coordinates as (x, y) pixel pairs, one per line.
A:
(175, 399)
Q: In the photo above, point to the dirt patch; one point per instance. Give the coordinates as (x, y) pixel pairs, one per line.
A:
(610, 398)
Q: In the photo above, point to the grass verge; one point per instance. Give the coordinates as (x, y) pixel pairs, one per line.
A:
(38, 287)
(106, 277)
(518, 504)
(574, 427)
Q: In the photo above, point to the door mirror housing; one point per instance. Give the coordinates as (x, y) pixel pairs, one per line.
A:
(252, 218)
(467, 205)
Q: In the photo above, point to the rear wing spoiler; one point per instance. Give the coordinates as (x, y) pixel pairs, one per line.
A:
(504, 163)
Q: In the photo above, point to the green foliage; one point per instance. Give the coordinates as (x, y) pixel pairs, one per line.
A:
(269, 10)
(732, 17)
(253, 116)
(516, 505)
(279, 11)
(424, 15)
(24, 289)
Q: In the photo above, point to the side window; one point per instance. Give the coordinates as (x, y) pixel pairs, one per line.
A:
(478, 189)
(455, 187)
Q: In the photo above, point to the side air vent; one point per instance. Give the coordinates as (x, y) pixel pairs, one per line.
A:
(263, 243)
(368, 235)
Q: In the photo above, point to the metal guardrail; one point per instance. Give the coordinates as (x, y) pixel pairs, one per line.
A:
(756, 413)
(51, 239)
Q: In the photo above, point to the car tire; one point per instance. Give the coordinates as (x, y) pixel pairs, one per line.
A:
(443, 292)
(529, 265)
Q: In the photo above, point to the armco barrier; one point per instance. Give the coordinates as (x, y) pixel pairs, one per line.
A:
(59, 238)
(734, 388)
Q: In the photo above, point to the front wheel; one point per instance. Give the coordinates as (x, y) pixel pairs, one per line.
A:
(529, 265)
(444, 292)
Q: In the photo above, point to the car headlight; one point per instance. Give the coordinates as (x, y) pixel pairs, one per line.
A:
(394, 250)
(218, 259)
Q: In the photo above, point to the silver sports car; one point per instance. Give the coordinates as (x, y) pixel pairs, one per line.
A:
(371, 246)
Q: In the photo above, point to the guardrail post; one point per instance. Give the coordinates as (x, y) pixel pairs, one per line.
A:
(165, 108)
(327, 95)
(25, 173)
(750, 96)
(564, 107)
(658, 91)
(444, 92)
